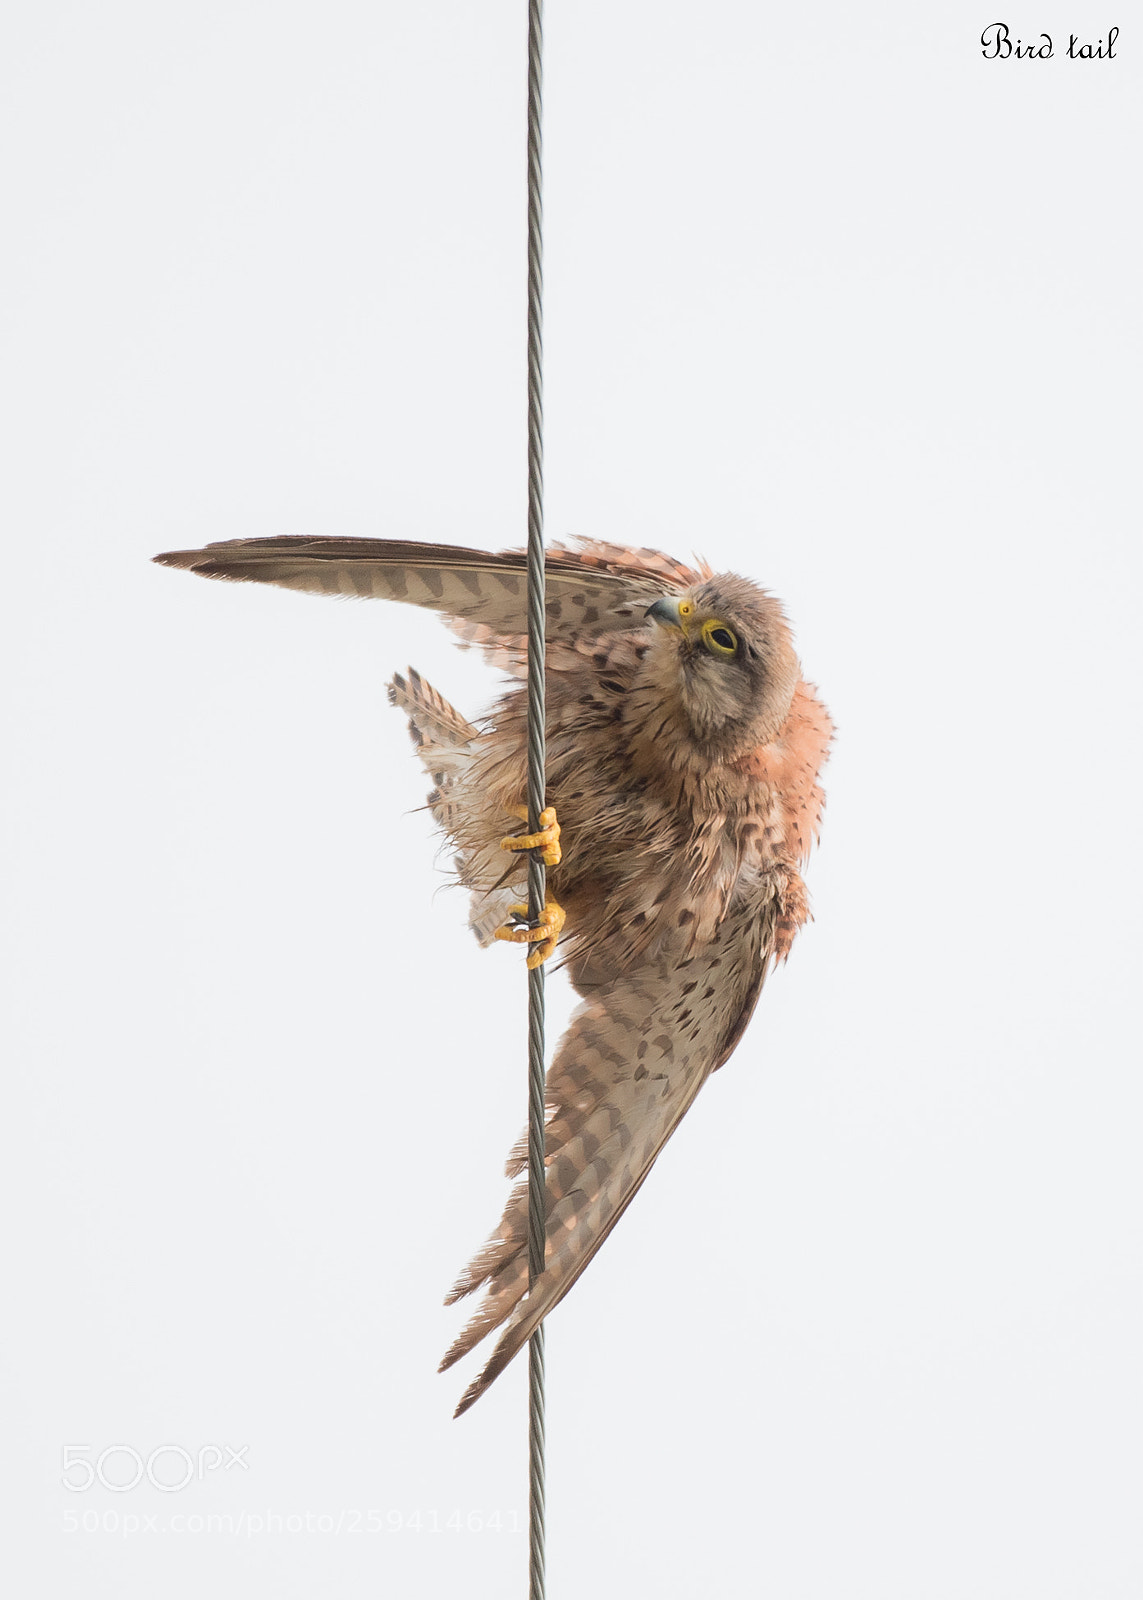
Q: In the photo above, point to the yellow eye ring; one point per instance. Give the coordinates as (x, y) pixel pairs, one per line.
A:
(719, 639)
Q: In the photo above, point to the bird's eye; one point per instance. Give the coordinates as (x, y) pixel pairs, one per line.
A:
(718, 639)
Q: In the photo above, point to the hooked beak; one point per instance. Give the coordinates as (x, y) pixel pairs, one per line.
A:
(666, 613)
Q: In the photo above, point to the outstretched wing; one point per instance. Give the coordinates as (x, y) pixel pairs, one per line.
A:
(593, 585)
(635, 1056)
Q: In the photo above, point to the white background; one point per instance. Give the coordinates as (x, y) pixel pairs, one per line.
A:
(840, 305)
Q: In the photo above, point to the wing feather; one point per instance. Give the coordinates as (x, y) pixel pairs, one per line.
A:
(636, 1054)
(591, 585)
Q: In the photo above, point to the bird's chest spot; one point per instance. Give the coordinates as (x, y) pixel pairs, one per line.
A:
(762, 835)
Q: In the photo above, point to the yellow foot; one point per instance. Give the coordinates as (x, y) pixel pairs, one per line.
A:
(546, 932)
(547, 840)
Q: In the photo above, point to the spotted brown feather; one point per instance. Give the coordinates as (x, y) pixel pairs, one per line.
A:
(686, 783)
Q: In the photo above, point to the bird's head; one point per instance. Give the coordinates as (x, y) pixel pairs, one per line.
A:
(722, 651)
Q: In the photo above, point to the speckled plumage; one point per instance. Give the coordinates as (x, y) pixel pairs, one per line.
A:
(685, 779)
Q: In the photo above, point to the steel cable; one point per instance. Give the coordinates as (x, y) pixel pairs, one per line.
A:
(537, 874)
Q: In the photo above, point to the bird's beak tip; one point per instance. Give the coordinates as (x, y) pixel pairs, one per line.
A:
(665, 612)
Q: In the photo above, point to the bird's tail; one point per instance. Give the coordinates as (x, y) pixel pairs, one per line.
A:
(442, 737)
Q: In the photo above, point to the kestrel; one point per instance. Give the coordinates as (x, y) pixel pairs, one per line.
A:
(682, 765)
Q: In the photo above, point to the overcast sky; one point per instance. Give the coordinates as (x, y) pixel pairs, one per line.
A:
(839, 304)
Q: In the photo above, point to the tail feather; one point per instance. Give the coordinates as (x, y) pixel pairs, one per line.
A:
(432, 720)
(443, 740)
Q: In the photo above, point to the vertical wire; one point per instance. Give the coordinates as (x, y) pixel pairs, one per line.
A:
(537, 875)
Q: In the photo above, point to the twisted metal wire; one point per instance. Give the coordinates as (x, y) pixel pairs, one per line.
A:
(537, 875)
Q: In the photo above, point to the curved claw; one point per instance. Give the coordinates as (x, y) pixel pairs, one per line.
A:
(546, 839)
(545, 934)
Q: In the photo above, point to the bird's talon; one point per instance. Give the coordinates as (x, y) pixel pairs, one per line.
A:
(545, 934)
(546, 839)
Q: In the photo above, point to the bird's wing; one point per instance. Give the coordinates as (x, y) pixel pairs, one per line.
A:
(631, 1063)
(591, 585)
